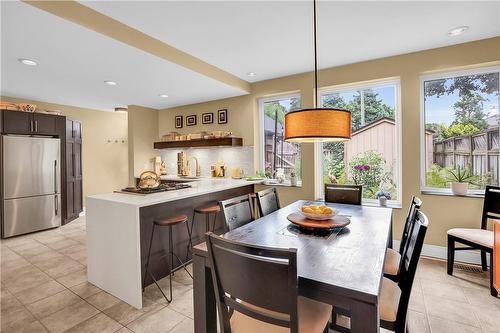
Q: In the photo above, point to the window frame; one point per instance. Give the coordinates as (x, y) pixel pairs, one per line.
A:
(435, 76)
(261, 102)
(363, 85)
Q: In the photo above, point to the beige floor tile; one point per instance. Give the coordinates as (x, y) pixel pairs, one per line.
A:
(54, 303)
(489, 318)
(69, 317)
(85, 290)
(44, 257)
(14, 315)
(73, 278)
(30, 278)
(185, 326)
(15, 268)
(59, 267)
(62, 244)
(460, 312)
(17, 241)
(125, 313)
(124, 330)
(159, 321)
(97, 324)
(183, 304)
(417, 302)
(482, 298)
(49, 238)
(39, 292)
(31, 249)
(102, 300)
(441, 325)
(443, 290)
(417, 322)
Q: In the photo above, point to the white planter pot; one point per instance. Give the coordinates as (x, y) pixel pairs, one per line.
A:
(382, 201)
(459, 188)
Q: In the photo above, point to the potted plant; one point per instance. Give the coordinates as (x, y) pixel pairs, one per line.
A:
(460, 178)
(382, 196)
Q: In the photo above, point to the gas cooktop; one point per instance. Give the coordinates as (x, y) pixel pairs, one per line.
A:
(162, 188)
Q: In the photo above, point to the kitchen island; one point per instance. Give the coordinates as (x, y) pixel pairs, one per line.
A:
(119, 227)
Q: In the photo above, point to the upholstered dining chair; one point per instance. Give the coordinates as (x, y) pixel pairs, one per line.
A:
(237, 211)
(478, 239)
(392, 263)
(496, 255)
(256, 290)
(395, 297)
(268, 201)
(345, 194)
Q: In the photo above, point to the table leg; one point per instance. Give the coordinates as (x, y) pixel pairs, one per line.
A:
(205, 312)
(364, 318)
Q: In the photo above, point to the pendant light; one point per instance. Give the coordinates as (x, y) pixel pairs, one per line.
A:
(317, 124)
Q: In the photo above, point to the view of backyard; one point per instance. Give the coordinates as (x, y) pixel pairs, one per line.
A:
(462, 113)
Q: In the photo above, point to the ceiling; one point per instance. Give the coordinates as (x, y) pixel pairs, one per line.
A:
(272, 39)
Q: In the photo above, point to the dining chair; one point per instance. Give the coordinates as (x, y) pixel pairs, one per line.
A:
(392, 261)
(478, 239)
(237, 211)
(345, 194)
(256, 290)
(496, 255)
(395, 296)
(268, 201)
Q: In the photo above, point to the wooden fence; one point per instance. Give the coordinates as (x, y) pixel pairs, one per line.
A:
(480, 151)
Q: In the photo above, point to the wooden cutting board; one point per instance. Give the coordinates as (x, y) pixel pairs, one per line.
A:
(303, 222)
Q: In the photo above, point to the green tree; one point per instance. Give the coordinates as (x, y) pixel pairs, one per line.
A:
(469, 110)
(465, 85)
(294, 103)
(275, 108)
(460, 130)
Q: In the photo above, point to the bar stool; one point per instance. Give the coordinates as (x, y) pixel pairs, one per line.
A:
(166, 222)
(212, 209)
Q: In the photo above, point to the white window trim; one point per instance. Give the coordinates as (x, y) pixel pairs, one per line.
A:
(262, 153)
(393, 81)
(435, 76)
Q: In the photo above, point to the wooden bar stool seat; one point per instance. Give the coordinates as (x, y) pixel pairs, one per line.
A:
(207, 210)
(171, 220)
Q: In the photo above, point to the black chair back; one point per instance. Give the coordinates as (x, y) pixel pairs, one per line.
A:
(254, 281)
(415, 205)
(268, 201)
(237, 211)
(491, 206)
(345, 194)
(410, 260)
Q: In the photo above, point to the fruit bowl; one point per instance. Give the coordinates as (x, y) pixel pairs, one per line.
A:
(318, 213)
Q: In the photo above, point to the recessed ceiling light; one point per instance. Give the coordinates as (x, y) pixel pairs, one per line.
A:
(28, 62)
(458, 30)
(251, 74)
(111, 83)
(121, 109)
(163, 95)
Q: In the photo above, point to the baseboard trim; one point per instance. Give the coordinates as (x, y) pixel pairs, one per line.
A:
(441, 252)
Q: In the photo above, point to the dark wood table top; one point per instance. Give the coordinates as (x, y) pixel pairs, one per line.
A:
(351, 262)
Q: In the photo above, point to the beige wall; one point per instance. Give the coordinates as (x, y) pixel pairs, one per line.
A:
(444, 212)
(240, 117)
(142, 132)
(105, 165)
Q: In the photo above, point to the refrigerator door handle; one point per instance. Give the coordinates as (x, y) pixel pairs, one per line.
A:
(55, 176)
(31, 125)
(36, 125)
(56, 204)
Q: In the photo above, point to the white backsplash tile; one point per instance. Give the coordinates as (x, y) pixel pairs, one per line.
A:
(241, 157)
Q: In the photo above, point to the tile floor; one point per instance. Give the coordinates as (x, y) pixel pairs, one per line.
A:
(44, 289)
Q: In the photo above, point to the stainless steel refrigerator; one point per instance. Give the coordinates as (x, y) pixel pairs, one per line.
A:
(31, 184)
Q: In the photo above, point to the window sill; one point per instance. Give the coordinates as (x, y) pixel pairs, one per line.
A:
(449, 194)
(376, 204)
(285, 184)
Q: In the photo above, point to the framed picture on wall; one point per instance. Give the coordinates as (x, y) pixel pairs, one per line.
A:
(222, 116)
(191, 120)
(207, 118)
(178, 121)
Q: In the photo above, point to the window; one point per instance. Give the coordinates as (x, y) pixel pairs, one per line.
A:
(278, 154)
(371, 157)
(461, 135)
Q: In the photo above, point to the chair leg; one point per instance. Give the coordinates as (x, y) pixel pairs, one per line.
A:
(149, 255)
(484, 265)
(190, 234)
(215, 220)
(493, 291)
(451, 255)
(207, 222)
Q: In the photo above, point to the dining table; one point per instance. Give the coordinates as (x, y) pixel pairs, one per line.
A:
(343, 267)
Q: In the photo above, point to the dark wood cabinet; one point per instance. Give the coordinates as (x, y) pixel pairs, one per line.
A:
(69, 131)
(73, 169)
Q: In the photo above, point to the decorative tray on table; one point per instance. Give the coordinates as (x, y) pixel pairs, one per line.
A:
(318, 217)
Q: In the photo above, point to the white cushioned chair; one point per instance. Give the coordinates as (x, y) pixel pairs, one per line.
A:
(478, 239)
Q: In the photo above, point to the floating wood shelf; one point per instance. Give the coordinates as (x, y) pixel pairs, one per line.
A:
(218, 142)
